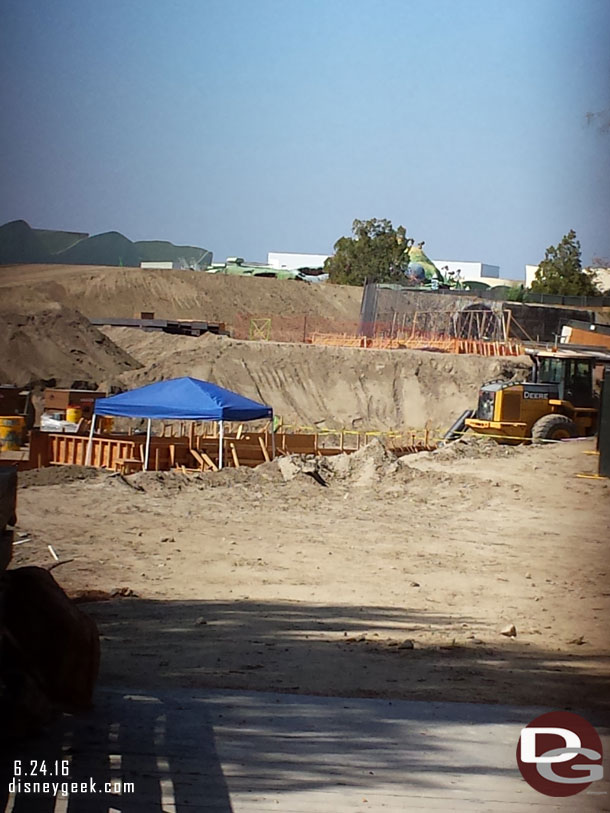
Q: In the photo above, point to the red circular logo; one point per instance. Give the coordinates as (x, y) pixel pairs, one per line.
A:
(560, 754)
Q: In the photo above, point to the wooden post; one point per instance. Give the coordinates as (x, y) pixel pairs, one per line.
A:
(234, 455)
(509, 315)
(263, 446)
(209, 461)
(198, 458)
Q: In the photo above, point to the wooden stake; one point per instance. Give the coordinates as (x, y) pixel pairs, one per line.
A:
(508, 316)
(234, 454)
(264, 449)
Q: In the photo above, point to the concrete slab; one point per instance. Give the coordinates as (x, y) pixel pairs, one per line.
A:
(187, 751)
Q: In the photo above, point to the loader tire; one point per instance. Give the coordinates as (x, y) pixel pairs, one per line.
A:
(553, 427)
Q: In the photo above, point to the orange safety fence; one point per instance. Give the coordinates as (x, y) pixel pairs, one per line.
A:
(440, 335)
(288, 328)
(481, 347)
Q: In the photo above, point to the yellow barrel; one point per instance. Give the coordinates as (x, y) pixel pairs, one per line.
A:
(74, 414)
(12, 429)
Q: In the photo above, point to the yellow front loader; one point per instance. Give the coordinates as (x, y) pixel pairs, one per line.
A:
(560, 400)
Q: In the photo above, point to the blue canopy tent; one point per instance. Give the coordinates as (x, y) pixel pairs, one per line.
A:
(180, 399)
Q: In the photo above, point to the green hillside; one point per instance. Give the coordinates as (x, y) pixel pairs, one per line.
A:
(110, 248)
(20, 243)
(164, 251)
(56, 241)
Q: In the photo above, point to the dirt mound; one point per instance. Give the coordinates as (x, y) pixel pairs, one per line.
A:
(371, 465)
(172, 294)
(373, 468)
(56, 344)
(332, 387)
(58, 475)
(473, 447)
(166, 482)
(361, 469)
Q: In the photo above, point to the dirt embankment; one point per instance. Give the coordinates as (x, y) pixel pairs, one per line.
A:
(307, 385)
(124, 292)
(322, 386)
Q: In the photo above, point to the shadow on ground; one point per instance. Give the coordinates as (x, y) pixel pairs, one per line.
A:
(190, 750)
(224, 709)
(141, 739)
(334, 650)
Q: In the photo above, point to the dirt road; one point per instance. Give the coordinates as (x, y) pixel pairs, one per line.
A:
(394, 579)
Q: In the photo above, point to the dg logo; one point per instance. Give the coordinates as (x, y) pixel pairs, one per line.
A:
(560, 754)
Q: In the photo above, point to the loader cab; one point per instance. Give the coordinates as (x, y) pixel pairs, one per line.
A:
(573, 377)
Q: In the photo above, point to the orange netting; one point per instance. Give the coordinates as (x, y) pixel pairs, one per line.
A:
(380, 335)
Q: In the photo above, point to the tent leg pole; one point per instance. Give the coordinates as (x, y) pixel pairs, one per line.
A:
(147, 450)
(90, 441)
(272, 437)
(221, 437)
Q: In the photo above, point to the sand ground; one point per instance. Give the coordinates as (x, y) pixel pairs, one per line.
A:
(393, 579)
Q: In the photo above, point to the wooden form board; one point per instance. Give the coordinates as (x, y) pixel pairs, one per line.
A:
(126, 452)
(111, 452)
(105, 451)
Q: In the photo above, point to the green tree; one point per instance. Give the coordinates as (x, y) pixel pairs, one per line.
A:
(516, 293)
(376, 251)
(561, 271)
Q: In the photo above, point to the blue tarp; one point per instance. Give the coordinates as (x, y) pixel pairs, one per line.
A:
(183, 399)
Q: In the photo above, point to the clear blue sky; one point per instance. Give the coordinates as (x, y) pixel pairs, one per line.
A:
(249, 126)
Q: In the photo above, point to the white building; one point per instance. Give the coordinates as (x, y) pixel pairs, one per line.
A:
(167, 266)
(602, 277)
(293, 261)
(475, 272)
(468, 270)
(530, 273)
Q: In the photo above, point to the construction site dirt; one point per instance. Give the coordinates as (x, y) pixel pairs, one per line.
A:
(358, 575)
(377, 577)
